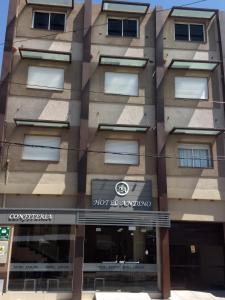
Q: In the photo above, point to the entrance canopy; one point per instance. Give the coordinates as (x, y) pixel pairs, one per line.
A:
(85, 217)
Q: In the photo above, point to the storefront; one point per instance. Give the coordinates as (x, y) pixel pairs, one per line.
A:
(121, 244)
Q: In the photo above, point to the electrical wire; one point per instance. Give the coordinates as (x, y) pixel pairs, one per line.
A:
(153, 156)
(95, 25)
(98, 92)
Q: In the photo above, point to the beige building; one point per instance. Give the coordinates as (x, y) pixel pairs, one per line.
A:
(112, 159)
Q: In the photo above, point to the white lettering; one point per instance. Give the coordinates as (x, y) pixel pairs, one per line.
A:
(30, 217)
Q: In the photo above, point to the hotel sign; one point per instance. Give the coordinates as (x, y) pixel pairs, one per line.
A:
(126, 195)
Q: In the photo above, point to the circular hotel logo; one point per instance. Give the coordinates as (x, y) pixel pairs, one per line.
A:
(122, 188)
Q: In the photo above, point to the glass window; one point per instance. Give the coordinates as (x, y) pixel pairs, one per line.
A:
(45, 78)
(122, 27)
(115, 27)
(194, 156)
(189, 32)
(41, 258)
(49, 21)
(120, 146)
(196, 33)
(41, 20)
(57, 22)
(130, 28)
(123, 258)
(181, 32)
(121, 83)
(191, 87)
(46, 150)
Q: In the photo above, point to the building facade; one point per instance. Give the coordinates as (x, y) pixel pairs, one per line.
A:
(112, 150)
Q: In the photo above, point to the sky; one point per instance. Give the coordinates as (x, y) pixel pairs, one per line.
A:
(219, 4)
(3, 18)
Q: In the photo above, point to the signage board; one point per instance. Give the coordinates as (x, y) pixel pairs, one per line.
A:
(121, 194)
(119, 267)
(4, 246)
(4, 233)
(41, 267)
(21, 217)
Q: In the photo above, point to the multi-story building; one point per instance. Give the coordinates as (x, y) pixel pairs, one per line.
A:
(112, 150)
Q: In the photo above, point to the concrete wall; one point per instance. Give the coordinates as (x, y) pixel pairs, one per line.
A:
(40, 177)
(193, 192)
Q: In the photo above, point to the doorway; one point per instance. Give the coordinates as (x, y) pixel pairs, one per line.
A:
(196, 255)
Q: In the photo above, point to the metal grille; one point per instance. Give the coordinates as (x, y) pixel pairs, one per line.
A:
(93, 217)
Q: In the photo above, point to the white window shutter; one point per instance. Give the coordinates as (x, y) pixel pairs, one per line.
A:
(121, 83)
(36, 153)
(45, 78)
(191, 87)
(121, 146)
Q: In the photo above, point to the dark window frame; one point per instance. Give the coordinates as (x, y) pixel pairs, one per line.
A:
(122, 30)
(189, 32)
(49, 20)
(192, 146)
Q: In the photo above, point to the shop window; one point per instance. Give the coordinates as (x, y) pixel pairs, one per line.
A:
(123, 27)
(194, 156)
(49, 21)
(191, 88)
(120, 258)
(121, 83)
(48, 149)
(189, 32)
(41, 258)
(45, 78)
(127, 152)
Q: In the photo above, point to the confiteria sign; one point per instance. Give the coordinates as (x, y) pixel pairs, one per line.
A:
(30, 217)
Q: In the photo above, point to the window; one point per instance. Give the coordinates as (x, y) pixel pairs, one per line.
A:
(45, 78)
(121, 83)
(191, 87)
(120, 146)
(49, 21)
(45, 251)
(194, 156)
(38, 153)
(189, 32)
(127, 251)
(123, 27)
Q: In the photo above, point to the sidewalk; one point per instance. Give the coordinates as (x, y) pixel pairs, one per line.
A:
(194, 295)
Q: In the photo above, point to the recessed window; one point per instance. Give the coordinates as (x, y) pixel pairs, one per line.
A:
(194, 156)
(121, 152)
(121, 83)
(191, 87)
(49, 21)
(123, 27)
(45, 78)
(48, 149)
(189, 32)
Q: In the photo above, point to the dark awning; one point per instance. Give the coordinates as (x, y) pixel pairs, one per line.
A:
(125, 7)
(41, 123)
(188, 12)
(202, 65)
(45, 54)
(122, 61)
(197, 131)
(58, 3)
(84, 217)
(118, 127)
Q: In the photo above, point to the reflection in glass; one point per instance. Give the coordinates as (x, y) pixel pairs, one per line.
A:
(41, 258)
(120, 258)
(197, 33)
(115, 27)
(181, 32)
(41, 20)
